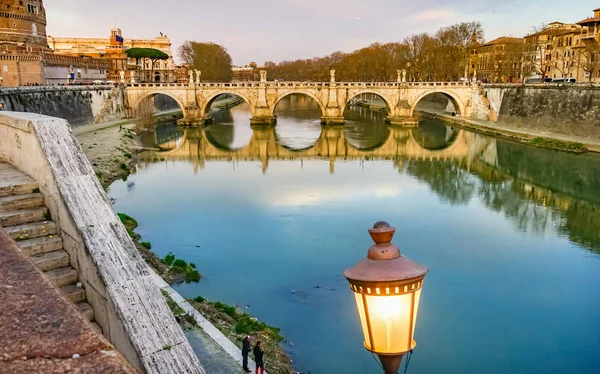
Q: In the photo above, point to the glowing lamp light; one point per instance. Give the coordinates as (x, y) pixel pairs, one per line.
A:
(387, 288)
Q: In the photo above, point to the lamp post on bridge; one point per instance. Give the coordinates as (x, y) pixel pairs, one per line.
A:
(387, 289)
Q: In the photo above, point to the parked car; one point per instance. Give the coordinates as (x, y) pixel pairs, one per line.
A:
(564, 80)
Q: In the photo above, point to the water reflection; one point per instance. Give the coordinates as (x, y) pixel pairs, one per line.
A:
(538, 189)
(490, 216)
(298, 122)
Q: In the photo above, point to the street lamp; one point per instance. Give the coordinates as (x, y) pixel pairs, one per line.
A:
(387, 289)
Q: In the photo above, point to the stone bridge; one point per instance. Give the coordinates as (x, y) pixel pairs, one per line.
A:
(401, 98)
(400, 143)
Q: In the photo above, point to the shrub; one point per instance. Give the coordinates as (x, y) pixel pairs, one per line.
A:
(168, 260)
(199, 299)
(146, 245)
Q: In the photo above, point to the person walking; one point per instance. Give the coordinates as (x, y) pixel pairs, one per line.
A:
(245, 352)
(258, 357)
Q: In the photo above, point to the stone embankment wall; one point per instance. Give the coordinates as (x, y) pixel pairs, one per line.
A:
(79, 105)
(568, 109)
(119, 285)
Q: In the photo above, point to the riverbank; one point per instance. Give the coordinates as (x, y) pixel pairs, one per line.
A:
(533, 137)
(113, 150)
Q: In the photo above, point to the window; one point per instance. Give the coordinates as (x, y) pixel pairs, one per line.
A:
(32, 8)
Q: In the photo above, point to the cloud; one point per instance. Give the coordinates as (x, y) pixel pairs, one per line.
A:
(434, 15)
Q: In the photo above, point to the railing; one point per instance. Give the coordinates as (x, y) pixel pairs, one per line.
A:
(273, 84)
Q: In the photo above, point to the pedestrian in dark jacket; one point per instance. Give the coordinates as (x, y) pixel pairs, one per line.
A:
(245, 352)
(258, 357)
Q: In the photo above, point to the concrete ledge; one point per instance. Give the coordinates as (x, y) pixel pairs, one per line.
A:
(40, 330)
(128, 306)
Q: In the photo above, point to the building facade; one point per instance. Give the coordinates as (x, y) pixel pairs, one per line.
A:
(114, 49)
(26, 59)
(589, 47)
(500, 60)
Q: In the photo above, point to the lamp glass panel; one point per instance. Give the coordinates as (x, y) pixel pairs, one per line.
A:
(390, 322)
(363, 319)
(416, 306)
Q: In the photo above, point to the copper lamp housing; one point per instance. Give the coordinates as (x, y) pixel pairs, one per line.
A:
(387, 289)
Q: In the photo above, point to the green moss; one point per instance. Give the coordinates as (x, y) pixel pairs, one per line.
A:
(179, 266)
(48, 215)
(167, 347)
(124, 167)
(179, 263)
(557, 144)
(175, 308)
(168, 260)
(36, 190)
(146, 245)
(127, 155)
(129, 223)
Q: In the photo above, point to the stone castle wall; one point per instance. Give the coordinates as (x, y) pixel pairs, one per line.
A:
(78, 105)
(568, 109)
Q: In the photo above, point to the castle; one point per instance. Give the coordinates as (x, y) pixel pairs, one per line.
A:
(29, 57)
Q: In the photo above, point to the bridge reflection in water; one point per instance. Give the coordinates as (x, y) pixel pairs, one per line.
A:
(537, 189)
(397, 143)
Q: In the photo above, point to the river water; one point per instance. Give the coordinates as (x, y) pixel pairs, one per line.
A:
(272, 218)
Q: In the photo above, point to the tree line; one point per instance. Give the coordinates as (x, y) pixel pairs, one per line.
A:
(443, 56)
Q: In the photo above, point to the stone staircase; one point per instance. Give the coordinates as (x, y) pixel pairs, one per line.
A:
(107, 105)
(27, 220)
(482, 108)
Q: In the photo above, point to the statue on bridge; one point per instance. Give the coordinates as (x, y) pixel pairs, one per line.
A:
(403, 75)
(132, 76)
(122, 74)
(474, 75)
(191, 75)
(332, 74)
(198, 74)
(263, 75)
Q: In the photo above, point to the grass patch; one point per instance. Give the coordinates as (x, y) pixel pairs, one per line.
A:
(180, 266)
(124, 167)
(48, 215)
(557, 144)
(146, 245)
(244, 323)
(129, 222)
(175, 308)
(127, 155)
(167, 347)
(35, 190)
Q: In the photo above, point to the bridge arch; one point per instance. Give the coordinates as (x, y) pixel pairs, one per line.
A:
(284, 94)
(456, 101)
(355, 93)
(146, 95)
(210, 98)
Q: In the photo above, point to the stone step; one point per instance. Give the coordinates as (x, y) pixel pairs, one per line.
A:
(63, 276)
(73, 293)
(22, 216)
(86, 309)
(25, 201)
(31, 230)
(45, 244)
(51, 260)
(13, 182)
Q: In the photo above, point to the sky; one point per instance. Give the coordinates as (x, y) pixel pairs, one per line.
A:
(277, 30)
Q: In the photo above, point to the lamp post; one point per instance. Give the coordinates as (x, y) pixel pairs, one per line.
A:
(387, 288)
